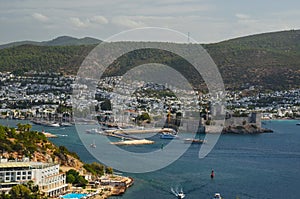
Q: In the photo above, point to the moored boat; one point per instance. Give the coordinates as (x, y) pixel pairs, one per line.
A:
(66, 124)
(194, 141)
(168, 136)
(53, 124)
(94, 131)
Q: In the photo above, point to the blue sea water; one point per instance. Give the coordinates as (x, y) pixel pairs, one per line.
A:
(246, 166)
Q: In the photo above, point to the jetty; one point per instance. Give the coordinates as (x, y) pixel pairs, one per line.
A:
(127, 138)
(133, 142)
(49, 135)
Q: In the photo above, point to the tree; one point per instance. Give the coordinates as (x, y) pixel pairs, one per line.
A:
(70, 178)
(106, 105)
(20, 192)
(27, 127)
(144, 116)
(109, 170)
(81, 181)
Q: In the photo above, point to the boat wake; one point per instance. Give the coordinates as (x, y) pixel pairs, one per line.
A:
(62, 135)
(178, 194)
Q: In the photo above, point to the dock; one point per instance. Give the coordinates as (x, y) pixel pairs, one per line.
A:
(133, 142)
(127, 139)
(137, 131)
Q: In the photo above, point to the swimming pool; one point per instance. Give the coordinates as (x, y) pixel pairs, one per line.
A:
(74, 195)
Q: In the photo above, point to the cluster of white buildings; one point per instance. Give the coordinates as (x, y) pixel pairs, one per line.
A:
(46, 175)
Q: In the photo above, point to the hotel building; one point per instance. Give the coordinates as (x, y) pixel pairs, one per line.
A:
(46, 175)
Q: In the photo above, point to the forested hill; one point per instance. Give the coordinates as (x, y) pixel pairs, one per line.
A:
(266, 61)
(270, 60)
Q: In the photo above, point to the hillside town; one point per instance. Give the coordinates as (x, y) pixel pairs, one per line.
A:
(47, 96)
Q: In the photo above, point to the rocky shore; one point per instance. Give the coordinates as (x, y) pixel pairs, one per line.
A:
(246, 129)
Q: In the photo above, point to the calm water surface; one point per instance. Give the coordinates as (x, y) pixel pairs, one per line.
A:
(246, 166)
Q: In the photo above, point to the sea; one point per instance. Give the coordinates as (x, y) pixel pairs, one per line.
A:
(264, 166)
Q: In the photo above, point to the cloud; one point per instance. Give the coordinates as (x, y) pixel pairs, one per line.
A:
(78, 22)
(40, 17)
(242, 16)
(98, 20)
(245, 19)
(127, 22)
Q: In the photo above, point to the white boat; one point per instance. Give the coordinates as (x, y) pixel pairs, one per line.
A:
(94, 131)
(168, 136)
(180, 195)
(66, 124)
(54, 124)
(217, 196)
(93, 145)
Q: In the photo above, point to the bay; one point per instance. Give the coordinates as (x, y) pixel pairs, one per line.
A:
(246, 166)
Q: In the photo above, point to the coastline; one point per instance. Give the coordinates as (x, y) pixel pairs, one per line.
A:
(117, 184)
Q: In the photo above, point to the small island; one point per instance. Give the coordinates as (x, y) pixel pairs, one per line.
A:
(245, 129)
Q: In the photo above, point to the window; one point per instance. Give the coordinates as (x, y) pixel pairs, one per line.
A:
(19, 173)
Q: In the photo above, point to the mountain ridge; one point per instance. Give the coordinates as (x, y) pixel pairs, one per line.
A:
(267, 61)
(58, 41)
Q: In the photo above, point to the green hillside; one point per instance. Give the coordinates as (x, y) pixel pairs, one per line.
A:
(270, 60)
(266, 61)
(65, 59)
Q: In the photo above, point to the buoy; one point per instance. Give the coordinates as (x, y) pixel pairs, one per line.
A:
(212, 174)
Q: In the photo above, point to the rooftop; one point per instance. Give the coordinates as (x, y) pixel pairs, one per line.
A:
(24, 164)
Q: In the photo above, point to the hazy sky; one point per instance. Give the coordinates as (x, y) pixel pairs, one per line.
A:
(206, 20)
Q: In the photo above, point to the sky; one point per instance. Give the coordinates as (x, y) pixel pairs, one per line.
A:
(207, 21)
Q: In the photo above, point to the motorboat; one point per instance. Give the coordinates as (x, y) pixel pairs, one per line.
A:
(168, 136)
(180, 195)
(217, 196)
(194, 141)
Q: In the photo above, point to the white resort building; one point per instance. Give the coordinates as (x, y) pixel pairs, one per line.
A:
(46, 175)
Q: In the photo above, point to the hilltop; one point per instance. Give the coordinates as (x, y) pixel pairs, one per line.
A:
(269, 61)
(59, 41)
